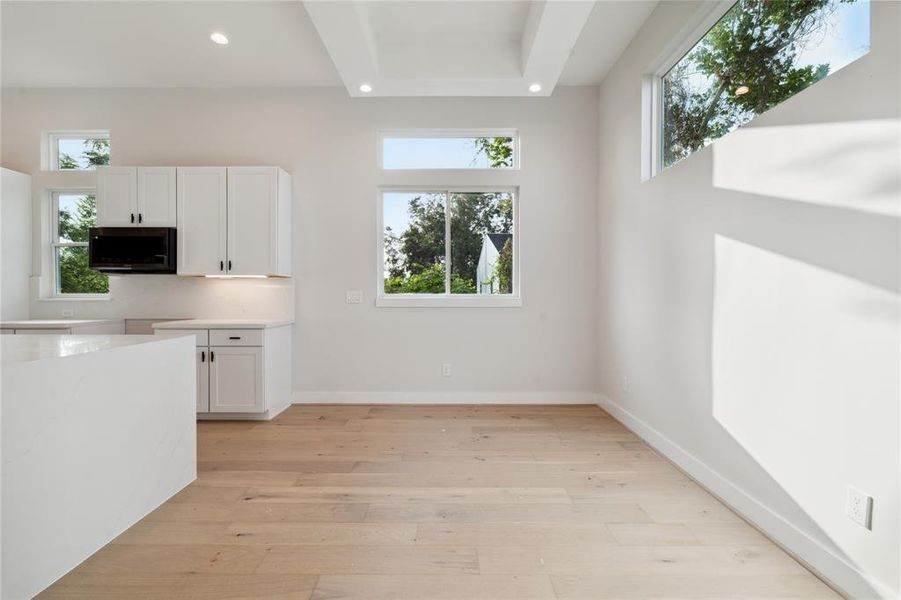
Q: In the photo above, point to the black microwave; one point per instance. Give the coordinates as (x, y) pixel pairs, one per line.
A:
(132, 249)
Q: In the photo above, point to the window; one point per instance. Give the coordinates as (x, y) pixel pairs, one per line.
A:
(757, 55)
(74, 213)
(76, 150)
(450, 150)
(453, 245)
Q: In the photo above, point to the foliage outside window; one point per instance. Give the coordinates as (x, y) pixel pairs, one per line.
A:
(759, 54)
(448, 242)
(74, 213)
(453, 151)
(78, 151)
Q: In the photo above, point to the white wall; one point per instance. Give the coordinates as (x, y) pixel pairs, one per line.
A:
(15, 236)
(545, 350)
(749, 296)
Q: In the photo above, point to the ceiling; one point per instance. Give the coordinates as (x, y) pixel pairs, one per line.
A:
(400, 48)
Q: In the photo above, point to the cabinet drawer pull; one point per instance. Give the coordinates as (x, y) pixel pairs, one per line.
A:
(234, 337)
(203, 357)
(221, 265)
(229, 265)
(212, 356)
(140, 218)
(132, 217)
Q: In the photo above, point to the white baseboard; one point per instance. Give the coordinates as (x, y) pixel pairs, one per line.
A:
(831, 567)
(309, 397)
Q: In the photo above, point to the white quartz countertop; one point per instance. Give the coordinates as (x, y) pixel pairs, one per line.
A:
(54, 323)
(223, 324)
(28, 348)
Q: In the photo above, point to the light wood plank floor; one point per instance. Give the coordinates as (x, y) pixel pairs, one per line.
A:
(444, 502)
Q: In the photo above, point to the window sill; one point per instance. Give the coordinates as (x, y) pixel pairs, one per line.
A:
(77, 298)
(440, 301)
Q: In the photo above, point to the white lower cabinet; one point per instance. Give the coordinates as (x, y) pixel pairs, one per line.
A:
(203, 380)
(236, 379)
(241, 371)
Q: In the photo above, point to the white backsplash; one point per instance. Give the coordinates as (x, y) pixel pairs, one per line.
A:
(170, 296)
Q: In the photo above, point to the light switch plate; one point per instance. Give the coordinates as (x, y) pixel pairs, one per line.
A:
(859, 507)
(354, 297)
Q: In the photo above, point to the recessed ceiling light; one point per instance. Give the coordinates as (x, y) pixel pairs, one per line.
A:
(365, 88)
(219, 38)
(535, 87)
(742, 90)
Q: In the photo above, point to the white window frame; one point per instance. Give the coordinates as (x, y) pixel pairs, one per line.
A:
(449, 134)
(446, 299)
(50, 146)
(652, 82)
(55, 243)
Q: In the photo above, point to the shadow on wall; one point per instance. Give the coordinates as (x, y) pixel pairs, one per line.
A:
(806, 328)
(806, 380)
(852, 165)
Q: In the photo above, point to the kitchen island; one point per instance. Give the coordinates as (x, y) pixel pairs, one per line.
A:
(97, 431)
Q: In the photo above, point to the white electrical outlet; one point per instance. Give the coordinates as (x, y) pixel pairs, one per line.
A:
(625, 384)
(446, 369)
(354, 297)
(859, 507)
(68, 312)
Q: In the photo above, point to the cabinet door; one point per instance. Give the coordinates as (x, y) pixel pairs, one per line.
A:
(252, 220)
(203, 380)
(201, 211)
(236, 379)
(156, 196)
(117, 197)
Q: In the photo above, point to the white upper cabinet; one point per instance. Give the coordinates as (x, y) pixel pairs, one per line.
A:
(156, 196)
(259, 218)
(136, 197)
(117, 197)
(201, 220)
(231, 220)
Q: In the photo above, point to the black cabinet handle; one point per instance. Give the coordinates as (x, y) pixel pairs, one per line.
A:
(229, 264)
(234, 337)
(140, 217)
(221, 266)
(203, 357)
(132, 217)
(212, 356)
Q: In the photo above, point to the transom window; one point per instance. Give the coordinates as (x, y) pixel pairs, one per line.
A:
(759, 54)
(449, 149)
(74, 212)
(77, 150)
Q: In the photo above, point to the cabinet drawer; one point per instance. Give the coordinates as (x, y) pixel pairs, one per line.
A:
(202, 336)
(236, 337)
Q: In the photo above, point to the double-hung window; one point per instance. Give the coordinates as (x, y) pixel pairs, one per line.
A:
(72, 214)
(754, 55)
(450, 239)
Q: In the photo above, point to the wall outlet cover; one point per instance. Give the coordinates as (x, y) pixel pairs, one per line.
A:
(446, 369)
(354, 297)
(859, 507)
(68, 312)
